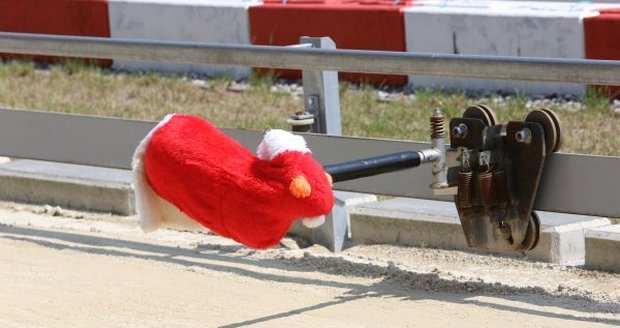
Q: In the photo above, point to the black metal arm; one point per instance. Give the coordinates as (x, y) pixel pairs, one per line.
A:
(367, 167)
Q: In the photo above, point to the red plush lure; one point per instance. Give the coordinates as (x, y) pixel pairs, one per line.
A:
(188, 170)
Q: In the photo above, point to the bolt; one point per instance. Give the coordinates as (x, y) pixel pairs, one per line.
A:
(503, 231)
(459, 131)
(484, 158)
(524, 136)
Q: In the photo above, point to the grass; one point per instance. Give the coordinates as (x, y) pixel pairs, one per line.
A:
(76, 88)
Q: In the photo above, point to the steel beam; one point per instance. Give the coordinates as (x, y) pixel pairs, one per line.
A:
(571, 183)
(601, 72)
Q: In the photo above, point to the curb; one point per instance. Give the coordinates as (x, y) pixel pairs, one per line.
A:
(603, 247)
(67, 185)
(402, 221)
(426, 223)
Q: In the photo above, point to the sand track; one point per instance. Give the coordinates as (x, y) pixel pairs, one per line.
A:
(101, 271)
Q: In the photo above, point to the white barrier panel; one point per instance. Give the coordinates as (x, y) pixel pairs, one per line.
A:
(505, 28)
(220, 21)
(578, 1)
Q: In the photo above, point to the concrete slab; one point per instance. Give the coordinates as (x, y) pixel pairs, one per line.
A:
(603, 247)
(419, 222)
(502, 28)
(217, 21)
(67, 185)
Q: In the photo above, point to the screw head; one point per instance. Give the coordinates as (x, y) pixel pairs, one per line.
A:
(459, 131)
(523, 136)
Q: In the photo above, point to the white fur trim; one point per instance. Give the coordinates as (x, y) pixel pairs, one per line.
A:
(313, 222)
(147, 201)
(278, 141)
(173, 218)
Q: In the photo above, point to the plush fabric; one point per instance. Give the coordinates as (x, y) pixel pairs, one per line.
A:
(215, 181)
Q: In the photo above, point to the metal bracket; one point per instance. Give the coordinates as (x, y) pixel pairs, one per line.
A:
(321, 92)
(498, 176)
(322, 115)
(312, 104)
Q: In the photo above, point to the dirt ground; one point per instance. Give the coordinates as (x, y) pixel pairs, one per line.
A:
(69, 269)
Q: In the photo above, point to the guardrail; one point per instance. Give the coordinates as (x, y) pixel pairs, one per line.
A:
(571, 183)
(602, 72)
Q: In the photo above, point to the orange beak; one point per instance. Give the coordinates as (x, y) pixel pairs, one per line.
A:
(299, 187)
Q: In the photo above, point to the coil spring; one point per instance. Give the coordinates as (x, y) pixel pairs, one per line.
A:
(501, 186)
(437, 125)
(465, 189)
(487, 192)
(475, 195)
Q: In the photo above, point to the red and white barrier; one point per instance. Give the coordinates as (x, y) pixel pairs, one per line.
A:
(602, 35)
(503, 28)
(352, 24)
(61, 17)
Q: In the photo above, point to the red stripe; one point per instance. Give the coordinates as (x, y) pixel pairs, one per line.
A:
(369, 25)
(60, 17)
(602, 41)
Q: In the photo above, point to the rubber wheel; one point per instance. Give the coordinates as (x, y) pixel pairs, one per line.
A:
(558, 130)
(489, 112)
(483, 113)
(549, 126)
(532, 234)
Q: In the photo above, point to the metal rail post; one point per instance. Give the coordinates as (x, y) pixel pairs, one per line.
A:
(321, 97)
(322, 100)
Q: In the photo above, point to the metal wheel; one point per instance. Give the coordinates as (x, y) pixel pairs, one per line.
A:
(481, 112)
(532, 234)
(489, 112)
(548, 123)
(558, 130)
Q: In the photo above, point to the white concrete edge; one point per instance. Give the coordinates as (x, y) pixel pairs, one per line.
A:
(375, 209)
(392, 214)
(347, 198)
(67, 180)
(595, 222)
(610, 233)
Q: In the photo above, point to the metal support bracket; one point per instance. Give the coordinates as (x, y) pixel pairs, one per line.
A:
(321, 92)
(335, 235)
(322, 115)
(499, 171)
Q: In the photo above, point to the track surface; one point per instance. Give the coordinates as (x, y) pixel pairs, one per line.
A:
(101, 271)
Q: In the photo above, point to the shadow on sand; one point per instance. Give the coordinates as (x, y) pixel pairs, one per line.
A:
(392, 282)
